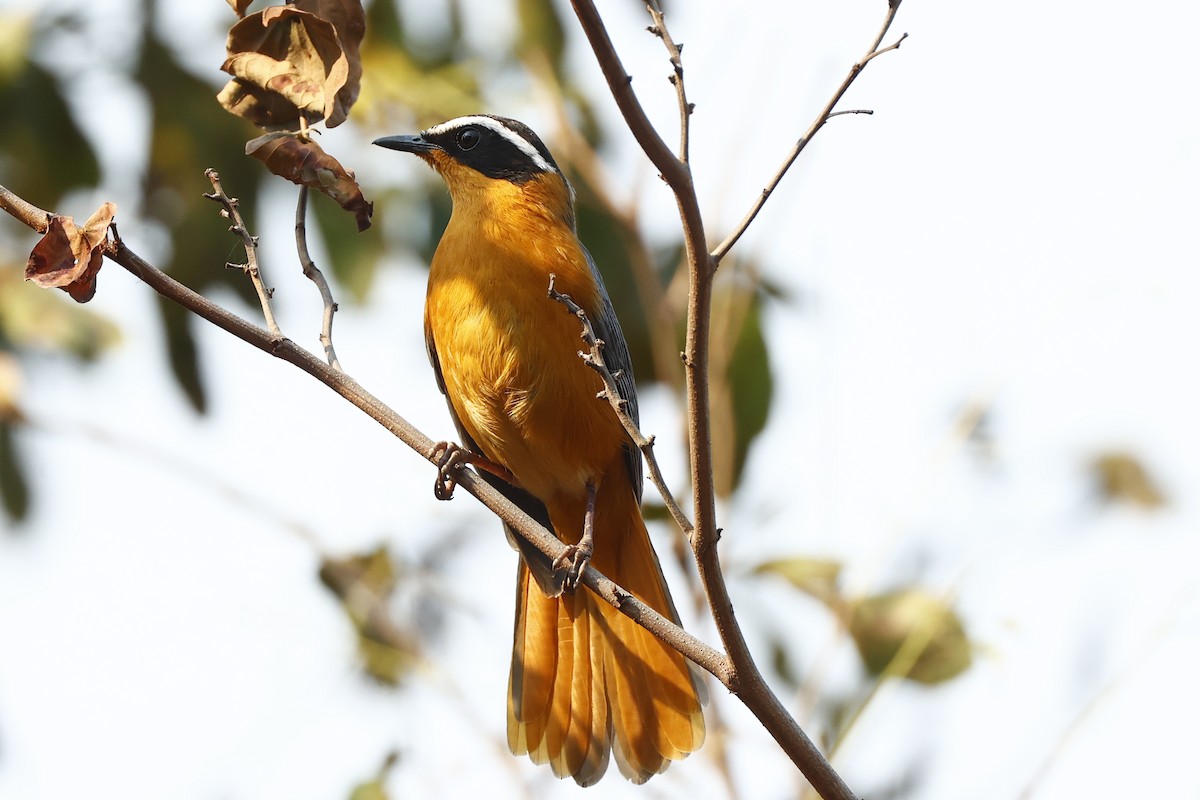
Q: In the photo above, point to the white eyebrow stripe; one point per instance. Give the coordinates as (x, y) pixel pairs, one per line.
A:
(515, 139)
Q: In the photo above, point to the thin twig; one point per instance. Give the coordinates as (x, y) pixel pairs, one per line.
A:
(746, 680)
(594, 358)
(579, 154)
(230, 211)
(659, 29)
(826, 114)
(314, 274)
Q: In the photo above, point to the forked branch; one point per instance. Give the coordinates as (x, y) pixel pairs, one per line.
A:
(826, 114)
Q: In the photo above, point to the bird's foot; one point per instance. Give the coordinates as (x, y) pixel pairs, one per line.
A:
(576, 557)
(574, 560)
(450, 458)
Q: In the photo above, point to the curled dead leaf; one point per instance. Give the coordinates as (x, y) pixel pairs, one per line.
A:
(350, 24)
(302, 161)
(291, 62)
(69, 257)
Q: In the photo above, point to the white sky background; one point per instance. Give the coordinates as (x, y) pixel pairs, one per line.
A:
(1017, 222)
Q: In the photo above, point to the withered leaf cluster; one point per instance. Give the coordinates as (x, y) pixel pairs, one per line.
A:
(295, 61)
(68, 257)
(293, 66)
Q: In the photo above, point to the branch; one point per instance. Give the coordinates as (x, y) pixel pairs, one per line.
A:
(826, 114)
(594, 358)
(24, 212)
(250, 243)
(281, 347)
(659, 29)
(746, 681)
(316, 276)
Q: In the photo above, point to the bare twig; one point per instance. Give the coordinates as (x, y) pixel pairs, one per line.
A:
(250, 243)
(746, 681)
(659, 29)
(826, 114)
(314, 274)
(594, 358)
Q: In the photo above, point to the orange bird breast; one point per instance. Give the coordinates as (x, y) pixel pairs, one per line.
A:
(509, 354)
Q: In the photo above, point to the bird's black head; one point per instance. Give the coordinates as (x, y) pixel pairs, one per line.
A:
(497, 147)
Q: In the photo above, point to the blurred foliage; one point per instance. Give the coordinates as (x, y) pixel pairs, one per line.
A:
(365, 584)
(814, 576)
(742, 384)
(909, 633)
(906, 633)
(376, 788)
(43, 155)
(43, 152)
(1122, 477)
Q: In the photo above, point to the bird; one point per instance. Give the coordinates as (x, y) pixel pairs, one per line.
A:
(585, 681)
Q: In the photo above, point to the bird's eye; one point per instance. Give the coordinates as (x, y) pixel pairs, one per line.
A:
(468, 138)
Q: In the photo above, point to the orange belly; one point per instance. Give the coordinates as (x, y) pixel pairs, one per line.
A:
(509, 357)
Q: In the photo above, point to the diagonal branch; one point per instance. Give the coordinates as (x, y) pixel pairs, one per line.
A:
(281, 347)
(594, 358)
(826, 114)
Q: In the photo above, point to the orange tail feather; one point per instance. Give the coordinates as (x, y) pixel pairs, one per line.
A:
(587, 680)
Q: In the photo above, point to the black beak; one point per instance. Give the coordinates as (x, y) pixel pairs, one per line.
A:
(409, 144)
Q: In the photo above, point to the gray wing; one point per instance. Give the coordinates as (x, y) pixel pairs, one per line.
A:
(616, 356)
(540, 566)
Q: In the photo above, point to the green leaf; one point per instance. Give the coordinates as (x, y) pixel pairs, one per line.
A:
(14, 486)
(742, 384)
(910, 634)
(753, 386)
(182, 353)
(814, 576)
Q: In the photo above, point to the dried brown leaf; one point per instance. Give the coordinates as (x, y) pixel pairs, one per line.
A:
(69, 257)
(239, 6)
(302, 161)
(286, 64)
(350, 24)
